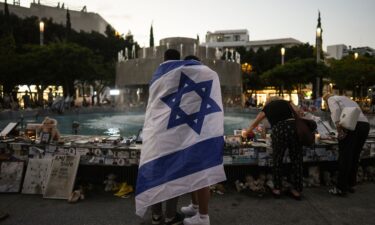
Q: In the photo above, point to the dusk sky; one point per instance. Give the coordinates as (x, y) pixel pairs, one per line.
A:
(349, 22)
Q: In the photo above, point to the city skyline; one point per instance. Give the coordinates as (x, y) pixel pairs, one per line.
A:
(346, 22)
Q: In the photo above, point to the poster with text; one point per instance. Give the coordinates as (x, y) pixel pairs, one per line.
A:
(62, 176)
(36, 176)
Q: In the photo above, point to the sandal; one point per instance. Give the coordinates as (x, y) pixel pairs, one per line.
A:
(276, 193)
(295, 194)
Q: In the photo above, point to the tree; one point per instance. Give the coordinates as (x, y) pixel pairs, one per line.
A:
(6, 9)
(68, 24)
(351, 74)
(8, 65)
(151, 37)
(293, 74)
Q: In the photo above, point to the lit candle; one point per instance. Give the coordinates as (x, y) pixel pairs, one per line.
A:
(317, 138)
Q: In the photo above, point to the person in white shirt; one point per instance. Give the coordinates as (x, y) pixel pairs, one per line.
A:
(350, 143)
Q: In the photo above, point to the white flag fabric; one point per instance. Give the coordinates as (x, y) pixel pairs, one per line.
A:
(182, 134)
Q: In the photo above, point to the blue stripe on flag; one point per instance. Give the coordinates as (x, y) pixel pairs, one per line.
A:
(168, 66)
(198, 157)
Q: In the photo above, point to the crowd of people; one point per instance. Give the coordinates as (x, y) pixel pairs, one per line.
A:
(28, 100)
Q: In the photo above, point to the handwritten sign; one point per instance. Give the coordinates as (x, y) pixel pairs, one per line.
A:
(36, 176)
(62, 176)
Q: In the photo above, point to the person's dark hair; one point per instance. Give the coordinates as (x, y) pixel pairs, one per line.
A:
(189, 57)
(171, 54)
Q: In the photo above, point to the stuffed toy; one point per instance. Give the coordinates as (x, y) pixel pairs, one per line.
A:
(257, 185)
(360, 175)
(314, 178)
(327, 178)
(370, 173)
(239, 186)
(218, 189)
(110, 183)
(269, 181)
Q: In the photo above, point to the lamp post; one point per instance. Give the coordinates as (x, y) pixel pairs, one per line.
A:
(282, 50)
(282, 55)
(318, 50)
(41, 33)
(356, 55)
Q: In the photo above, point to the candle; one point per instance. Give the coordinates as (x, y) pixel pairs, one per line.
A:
(317, 138)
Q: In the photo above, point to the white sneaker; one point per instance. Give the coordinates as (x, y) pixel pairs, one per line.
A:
(189, 210)
(197, 220)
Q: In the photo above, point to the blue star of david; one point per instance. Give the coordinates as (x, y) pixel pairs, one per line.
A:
(194, 120)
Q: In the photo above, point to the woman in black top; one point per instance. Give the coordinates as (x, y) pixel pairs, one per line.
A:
(279, 114)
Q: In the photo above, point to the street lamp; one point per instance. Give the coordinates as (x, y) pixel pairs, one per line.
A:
(356, 55)
(282, 55)
(318, 50)
(282, 50)
(41, 33)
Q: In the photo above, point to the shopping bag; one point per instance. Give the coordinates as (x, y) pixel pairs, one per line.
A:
(349, 117)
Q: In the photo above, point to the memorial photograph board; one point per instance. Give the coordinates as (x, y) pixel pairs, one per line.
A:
(61, 179)
(36, 176)
(11, 176)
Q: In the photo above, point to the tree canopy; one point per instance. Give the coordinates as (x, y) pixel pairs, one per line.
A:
(67, 55)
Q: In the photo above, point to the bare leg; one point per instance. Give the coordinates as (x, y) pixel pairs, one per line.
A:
(194, 198)
(203, 198)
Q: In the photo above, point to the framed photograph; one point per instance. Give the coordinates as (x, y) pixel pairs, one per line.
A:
(233, 140)
(11, 175)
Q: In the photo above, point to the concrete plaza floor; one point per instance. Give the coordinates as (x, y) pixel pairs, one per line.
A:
(232, 208)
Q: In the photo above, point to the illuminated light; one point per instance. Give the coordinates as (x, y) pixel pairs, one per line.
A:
(318, 32)
(41, 26)
(114, 92)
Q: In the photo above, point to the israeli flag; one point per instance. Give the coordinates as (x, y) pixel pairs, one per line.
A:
(182, 134)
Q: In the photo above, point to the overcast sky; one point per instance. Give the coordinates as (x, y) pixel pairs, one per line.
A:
(349, 22)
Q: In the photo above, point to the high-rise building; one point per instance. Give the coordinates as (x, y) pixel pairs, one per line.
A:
(337, 51)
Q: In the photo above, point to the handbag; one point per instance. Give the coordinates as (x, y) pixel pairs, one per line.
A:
(349, 117)
(305, 129)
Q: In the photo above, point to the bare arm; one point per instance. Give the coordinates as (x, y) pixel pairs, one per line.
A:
(255, 123)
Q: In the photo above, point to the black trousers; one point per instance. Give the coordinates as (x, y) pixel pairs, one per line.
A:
(349, 151)
(170, 208)
(284, 137)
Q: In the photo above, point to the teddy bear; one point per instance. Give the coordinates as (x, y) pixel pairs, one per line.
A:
(257, 185)
(269, 181)
(249, 180)
(239, 186)
(313, 180)
(327, 178)
(110, 183)
(370, 173)
(360, 175)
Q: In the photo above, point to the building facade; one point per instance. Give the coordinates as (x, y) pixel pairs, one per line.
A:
(337, 51)
(134, 75)
(240, 38)
(340, 51)
(81, 20)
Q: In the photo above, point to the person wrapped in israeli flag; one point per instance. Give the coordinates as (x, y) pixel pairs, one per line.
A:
(182, 134)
